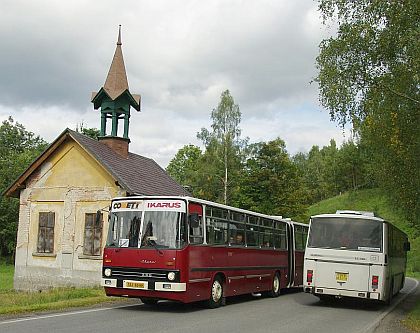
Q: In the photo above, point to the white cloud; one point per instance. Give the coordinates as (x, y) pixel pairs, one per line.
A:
(180, 55)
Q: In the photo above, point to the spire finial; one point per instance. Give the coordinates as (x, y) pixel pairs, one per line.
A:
(119, 35)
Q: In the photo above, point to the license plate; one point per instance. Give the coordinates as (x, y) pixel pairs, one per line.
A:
(342, 277)
(136, 285)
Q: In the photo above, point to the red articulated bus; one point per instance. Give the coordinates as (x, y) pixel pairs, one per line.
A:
(186, 249)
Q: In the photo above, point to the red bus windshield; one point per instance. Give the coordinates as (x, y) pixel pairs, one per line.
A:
(147, 229)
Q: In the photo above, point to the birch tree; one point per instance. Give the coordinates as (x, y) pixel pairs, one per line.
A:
(223, 145)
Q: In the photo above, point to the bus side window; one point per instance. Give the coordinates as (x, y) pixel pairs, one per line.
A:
(210, 231)
(217, 232)
(280, 236)
(217, 226)
(266, 233)
(304, 236)
(237, 229)
(299, 238)
(252, 231)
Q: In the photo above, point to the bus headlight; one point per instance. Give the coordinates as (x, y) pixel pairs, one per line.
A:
(171, 276)
(107, 271)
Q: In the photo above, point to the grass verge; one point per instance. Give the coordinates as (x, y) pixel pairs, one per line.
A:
(55, 299)
(415, 275)
(412, 321)
(6, 277)
(13, 302)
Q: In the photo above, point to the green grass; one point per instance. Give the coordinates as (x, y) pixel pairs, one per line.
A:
(373, 200)
(13, 302)
(6, 277)
(412, 321)
(54, 299)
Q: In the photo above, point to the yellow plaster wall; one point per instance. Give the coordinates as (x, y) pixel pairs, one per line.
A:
(69, 166)
(70, 183)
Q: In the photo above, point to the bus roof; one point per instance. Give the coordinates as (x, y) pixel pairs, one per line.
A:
(215, 204)
(351, 215)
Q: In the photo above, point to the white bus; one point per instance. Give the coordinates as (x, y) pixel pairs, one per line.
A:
(354, 254)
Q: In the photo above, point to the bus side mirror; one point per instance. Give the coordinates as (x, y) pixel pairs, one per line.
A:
(98, 217)
(407, 246)
(194, 220)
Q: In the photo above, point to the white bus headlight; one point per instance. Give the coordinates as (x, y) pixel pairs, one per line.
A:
(107, 271)
(171, 276)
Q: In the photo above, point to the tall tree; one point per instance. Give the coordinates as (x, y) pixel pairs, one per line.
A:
(183, 167)
(329, 171)
(369, 76)
(18, 148)
(350, 167)
(270, 183)
(223, 144)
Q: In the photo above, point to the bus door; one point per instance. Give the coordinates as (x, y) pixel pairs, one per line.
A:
(291, 247)
(299, 237)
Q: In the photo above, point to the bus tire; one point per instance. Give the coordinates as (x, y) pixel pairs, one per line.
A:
(390, 294)
(148, 300)
(275, 286)
(216, 293)
(402, 282)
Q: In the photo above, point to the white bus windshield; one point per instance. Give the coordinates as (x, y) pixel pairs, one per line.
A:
(160, 229)
(346, 234)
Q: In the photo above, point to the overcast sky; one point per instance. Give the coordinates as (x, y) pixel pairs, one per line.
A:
(179, 55)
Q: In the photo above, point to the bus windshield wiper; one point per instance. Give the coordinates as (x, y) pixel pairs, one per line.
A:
(152, 241)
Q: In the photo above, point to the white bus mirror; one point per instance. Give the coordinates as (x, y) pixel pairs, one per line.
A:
(194, 220)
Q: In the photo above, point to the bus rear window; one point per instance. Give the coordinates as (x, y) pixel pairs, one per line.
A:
(346, 234)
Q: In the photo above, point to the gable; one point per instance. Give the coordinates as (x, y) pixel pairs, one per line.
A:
(70, 166)
(75, 159)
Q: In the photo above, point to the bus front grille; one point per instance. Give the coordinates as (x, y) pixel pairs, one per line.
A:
(138, 274)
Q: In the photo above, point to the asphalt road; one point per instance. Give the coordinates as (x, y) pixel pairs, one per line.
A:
(294, 311)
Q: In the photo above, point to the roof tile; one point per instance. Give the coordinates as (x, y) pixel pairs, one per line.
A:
(136, 174)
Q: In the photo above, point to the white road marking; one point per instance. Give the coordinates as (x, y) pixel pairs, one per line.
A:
(64, 314)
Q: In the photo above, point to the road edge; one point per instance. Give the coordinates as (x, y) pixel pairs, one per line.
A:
(372, 327)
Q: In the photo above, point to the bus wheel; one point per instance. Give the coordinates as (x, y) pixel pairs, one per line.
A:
(148, 301)
(390, 294)
(216, 294)
(275, 286)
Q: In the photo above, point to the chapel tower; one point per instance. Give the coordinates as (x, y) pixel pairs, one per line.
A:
(114, 99)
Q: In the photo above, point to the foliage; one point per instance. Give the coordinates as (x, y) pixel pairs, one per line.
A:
(183, 166)
(94, 133)
(330, 170)
(222, 159)
(369, 75)
(18, 148)
(270, 182)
